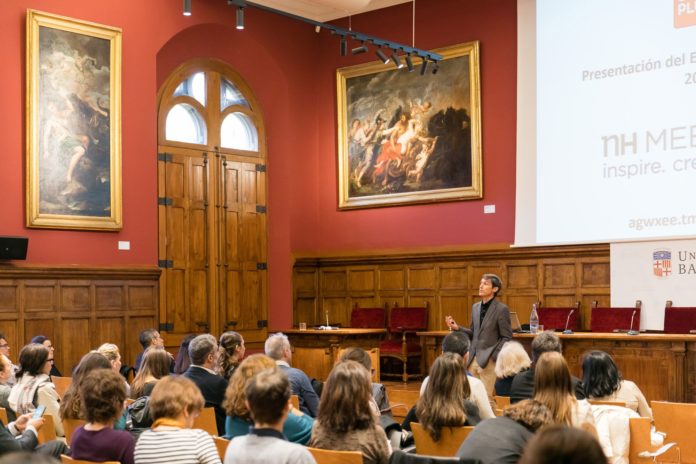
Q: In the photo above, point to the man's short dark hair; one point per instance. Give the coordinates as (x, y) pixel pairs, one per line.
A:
(200, 347)
(545, 342)
(146, 337)
(495, 282)
(267, 394)
(456, 342)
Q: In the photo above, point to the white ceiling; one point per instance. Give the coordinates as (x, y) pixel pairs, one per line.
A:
(326, 10)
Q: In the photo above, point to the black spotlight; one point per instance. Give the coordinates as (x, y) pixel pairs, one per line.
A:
(361, 49)
(396, 60)
(380, 54)
(240, 18)
(424, 66)
(344, 46)
(409, 63)
(436, 67)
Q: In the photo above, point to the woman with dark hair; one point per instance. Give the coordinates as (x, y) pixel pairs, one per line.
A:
(564, 445)
(71, 406)
(602, 381)
(102, 392)
(182, 360)
(346, 421)
(45, 341)
(445, 401)
(155, 365)
(553, 387)
(231, 353)
(34, 386)
(297, 427)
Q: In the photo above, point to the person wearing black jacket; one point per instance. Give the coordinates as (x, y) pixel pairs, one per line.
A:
(22, 435)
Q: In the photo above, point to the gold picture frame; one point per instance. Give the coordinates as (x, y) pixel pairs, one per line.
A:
(73, 111)
(407, 137)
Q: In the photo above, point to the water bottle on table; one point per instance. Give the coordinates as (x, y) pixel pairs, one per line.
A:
(534, 320)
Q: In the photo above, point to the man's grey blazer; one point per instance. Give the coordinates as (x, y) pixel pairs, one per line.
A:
(488, 338)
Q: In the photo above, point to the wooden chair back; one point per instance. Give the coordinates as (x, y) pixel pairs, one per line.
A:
(68, 460)
(62, 384)
(401, 402)
(323, 456)
(221, 444)
(3, 416)
(677, 421)
(206, 421)
(501, 402)
(640, 439)
(48, 431)
(451, 438)
(607, 403)
(295, 400)
(69, 427)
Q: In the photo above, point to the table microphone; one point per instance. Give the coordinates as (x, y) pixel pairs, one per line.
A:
(567, 331)
(630, 329)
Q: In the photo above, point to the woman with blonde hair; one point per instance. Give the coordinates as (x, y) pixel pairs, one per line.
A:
(112, 353)
(445, 401)
(297, 427)
(231, 353)
(174, 404)
(512, 359)
(553, 388)
(346, 421)
(155, 366)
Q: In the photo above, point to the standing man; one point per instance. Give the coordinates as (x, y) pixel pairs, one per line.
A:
(490, 329)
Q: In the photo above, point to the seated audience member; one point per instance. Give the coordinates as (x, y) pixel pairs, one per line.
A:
(231, 353)
(379, 393)
(154, 366)
(22, 435)
(445, 401)
(151, 338)
(602, 381)
(45, 341)
(553, 388)
(268, 395)
(103, 393)
(175, 403)
(71, 406)
(346, 421)
(512, 360)
(523, 384)
(5, 351)
(278, 348)
(501, 440)
(458, 342)
(203, 351)
(563, 445)
(5, 389)
(182, 360)
(34, 386)
(113, 354)
(297, 427)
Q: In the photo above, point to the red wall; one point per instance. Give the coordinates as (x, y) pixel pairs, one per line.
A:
(292, 72)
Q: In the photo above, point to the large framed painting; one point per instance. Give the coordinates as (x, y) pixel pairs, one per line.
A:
(407, 138)
(73, 123)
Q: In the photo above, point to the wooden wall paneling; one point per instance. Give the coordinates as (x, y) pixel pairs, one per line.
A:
(9, 296)
(305, 311)
(111, 329)
(362, 280)
(457, 305)
(453, 276)
(11, 328)
(337, 309)
(75, 296)
(40, 295)
(522, 276)
(391, 299)
(559, 275)
(110, 296)
(78, 344)
(422, 277)
(333, 281)
(135, 325)
(391, 278)
(38, 324)
(690, 367)
(521, 304)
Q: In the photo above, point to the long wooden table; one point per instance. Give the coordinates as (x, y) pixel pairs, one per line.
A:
(316, 351)
(663, 365)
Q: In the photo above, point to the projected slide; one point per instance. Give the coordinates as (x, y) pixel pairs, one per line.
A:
(616, 120)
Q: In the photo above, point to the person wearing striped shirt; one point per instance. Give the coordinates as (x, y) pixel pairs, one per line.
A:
(174, 404)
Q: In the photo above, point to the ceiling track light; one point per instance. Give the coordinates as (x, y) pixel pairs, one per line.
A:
(409, 63)
(424, 66)
(187, 7)
(397, 62)
(344, 46)
(380, 54)
(361, 49)
(240, 18)
(436, 67)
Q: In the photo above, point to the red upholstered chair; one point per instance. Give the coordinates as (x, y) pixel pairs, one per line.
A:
(403, 344)
(679, 320)
(368, 318)
(555, 318)
(615, 319)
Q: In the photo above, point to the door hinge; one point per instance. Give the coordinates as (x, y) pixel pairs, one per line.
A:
(260, 168)
(261, 209)
(164, 201)
(261, 266)
(166, 157)
(262, 323)
(165, 263)
(166, 327)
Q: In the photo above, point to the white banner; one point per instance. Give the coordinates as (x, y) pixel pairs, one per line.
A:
(653, 272)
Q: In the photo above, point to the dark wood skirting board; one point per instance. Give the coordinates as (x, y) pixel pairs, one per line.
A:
(78, 308)
(448, 281)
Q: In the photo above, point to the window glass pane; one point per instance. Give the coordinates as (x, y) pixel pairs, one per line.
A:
(238, 131)
(230, 95)
(193, 86)
(184, 124)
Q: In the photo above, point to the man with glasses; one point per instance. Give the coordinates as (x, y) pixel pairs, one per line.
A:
(45, 341)
(150, 338)
(5, 350)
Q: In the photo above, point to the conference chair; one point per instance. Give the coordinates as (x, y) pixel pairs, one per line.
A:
(62, 384)
(401, 402)
(295, 400)
(3, 416)
(451, 438)
(679, 320)
(641, 450)
(368, 318)
(69, 427)
(676, 421)
(501, 402)
(615, 319)
(48, 431)
(206, 421)
(221, 444)
(68, 460)
(559, 318)
(607, 403)
(323, 456)
(403, 344)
